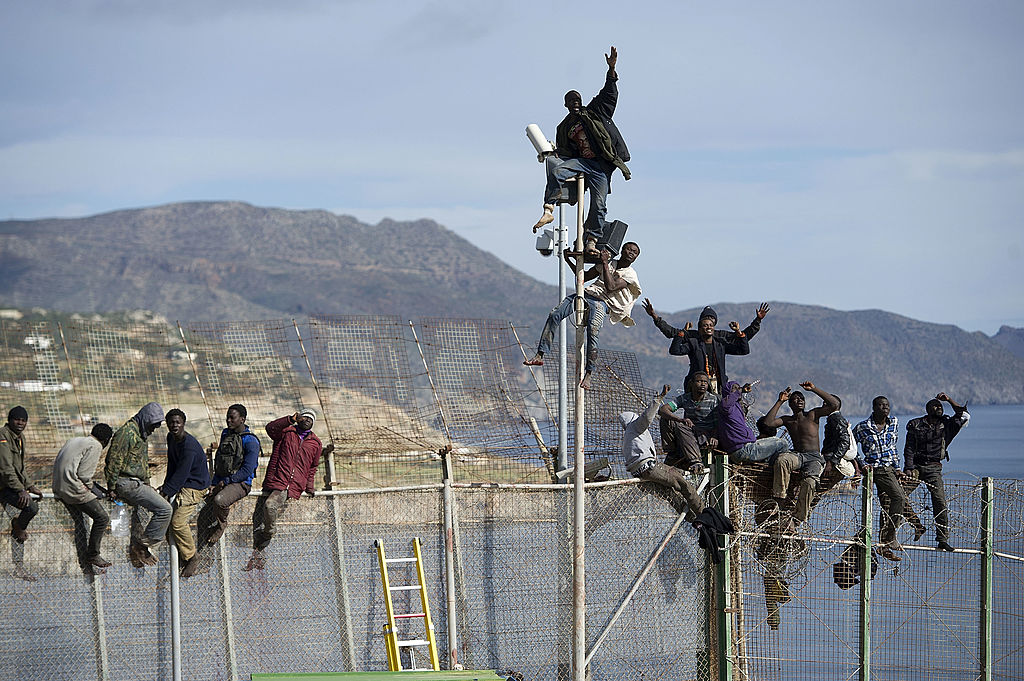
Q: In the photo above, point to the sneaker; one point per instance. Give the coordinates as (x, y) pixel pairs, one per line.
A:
(944, 546)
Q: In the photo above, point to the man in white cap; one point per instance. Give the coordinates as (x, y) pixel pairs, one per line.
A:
(290, 472)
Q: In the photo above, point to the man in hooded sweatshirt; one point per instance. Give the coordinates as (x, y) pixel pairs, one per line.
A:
(642, 460)
(127, 474)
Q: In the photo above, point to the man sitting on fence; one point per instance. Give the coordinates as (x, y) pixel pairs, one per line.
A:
(188, 478)
(290, 472)
(15, 488)
(234, 467)
(877, 436)
(612, 295)
(127, 474)
(683, 434)
(803, 427)
(73, 470)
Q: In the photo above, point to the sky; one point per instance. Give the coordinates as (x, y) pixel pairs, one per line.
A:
(855, 155)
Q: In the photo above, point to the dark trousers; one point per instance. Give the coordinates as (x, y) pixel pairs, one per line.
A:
(9, 498)
(931, 475)
(264, 517)
(892, 499)
(675, 488)
(88, 541)
(680, 444)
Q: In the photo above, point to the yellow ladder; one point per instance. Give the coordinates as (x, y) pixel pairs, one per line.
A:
(391, 641)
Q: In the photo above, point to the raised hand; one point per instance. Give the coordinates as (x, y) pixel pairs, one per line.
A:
(664, 390)
(688, 326)
(784, 395)
(612, 58)
(942, 397)
(807, 385)
(649, 308)
(734, 326)
(762, 311)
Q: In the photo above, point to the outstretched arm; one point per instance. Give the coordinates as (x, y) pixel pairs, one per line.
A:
(644, 421)
(771, 419)
(831, 403)
(666, 329)
(755, 324)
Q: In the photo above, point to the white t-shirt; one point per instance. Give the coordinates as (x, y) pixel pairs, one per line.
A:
(620, 303)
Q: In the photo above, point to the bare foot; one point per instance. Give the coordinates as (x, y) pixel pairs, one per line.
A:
(545, 219)
(535, 361)
(255, 562)
(585, 383)
(19, 533)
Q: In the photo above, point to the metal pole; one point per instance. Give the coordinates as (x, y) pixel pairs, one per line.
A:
(101, 631)
(175, 615)
(449, 558)
(195, 372)
(562, 458)
(865, 578)
(344, 611)
(71, 373)
(229, 622)
(579, 591)
(329, 477)
(723, 608)
(987, 529)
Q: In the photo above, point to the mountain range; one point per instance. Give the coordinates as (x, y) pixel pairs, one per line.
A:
(231, 260)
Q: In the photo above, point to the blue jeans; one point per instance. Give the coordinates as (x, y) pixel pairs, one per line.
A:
(598, 310)
(139, 496)
(759, 450)
(598, 182)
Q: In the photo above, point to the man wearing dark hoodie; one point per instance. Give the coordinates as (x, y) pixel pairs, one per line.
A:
(127, 475)
(706, 348)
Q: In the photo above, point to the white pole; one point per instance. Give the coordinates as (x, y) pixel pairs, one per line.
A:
(175, 616)
(579, 647)
(562, 461)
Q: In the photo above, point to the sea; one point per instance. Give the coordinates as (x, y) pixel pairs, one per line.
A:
(990, 446)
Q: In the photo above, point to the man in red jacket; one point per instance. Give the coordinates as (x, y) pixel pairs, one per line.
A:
(290, 472)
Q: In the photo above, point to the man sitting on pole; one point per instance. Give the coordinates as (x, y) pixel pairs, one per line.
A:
(612, 295)
(587, 143)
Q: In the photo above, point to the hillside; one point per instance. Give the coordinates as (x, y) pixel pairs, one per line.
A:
(1012, 339)
(230, 260)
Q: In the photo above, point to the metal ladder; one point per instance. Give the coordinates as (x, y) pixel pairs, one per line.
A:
(391, 641)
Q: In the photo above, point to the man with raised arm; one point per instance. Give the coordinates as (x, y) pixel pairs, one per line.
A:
(73, 470)
(877, 436)
(642, 459)
(686, 421)
(587, 142)
(736, 438)
(612, 296)
(927, 439)
(290, 472)
(706, 348)
(806, 457)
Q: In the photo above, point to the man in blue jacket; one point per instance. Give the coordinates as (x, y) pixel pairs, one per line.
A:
(588, 143)
(188, 478)
(234, 467)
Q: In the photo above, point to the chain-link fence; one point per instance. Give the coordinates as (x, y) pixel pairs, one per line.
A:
(317, 605)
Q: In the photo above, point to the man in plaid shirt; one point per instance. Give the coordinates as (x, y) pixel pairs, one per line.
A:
(877, 436)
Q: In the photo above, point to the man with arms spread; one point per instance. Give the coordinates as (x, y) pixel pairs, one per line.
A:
(15, 488)
(290, 472)
(612, 295)
(72, 483)
(877, 436)
(706, 348)
(927, 439)
(803, 427)
(642, 460)
(188, 478)
(681, 434)
(588, 143)
(127, 474)
(234, 467)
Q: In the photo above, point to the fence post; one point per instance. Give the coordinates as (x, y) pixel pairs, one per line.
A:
(723, 609)
(579, 579)
(987, 529)
(229, 622)
(175, 615)
(344, 610)
(449, 557)
(865, 577)
(101, 631)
